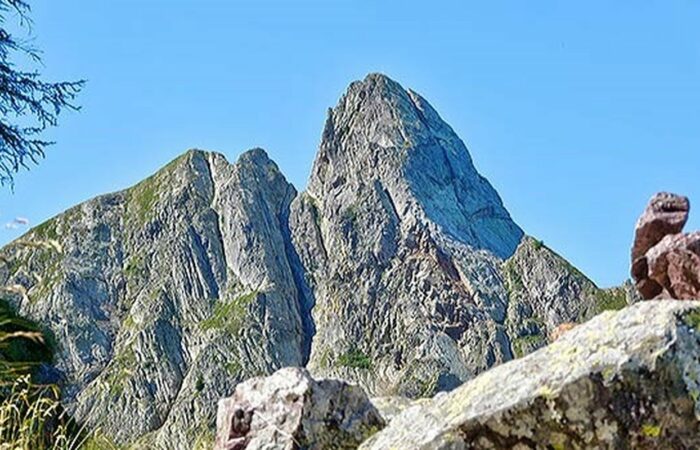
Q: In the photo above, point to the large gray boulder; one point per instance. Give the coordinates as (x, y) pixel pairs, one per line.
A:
(623, 380)
(290, 410)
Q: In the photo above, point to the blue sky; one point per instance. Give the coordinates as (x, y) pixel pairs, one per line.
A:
(577, 112)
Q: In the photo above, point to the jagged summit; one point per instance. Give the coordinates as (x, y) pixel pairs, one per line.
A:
(255, 156)
(380, 132)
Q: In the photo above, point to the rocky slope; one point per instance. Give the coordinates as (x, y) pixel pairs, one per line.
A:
(399, 268)
(623, 380)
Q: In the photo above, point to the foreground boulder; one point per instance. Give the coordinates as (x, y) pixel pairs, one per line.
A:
(666, 262)
(290, 410)
(629, 379)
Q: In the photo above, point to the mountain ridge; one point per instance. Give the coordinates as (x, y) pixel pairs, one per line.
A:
(398, 268)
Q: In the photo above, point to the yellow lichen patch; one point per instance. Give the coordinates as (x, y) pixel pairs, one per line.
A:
(650, 430)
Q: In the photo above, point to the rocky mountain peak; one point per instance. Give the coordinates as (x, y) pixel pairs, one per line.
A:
(391, 139)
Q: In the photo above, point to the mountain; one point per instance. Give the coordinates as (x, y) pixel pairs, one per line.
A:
(399, 269)
(167, 294)
(420, 277)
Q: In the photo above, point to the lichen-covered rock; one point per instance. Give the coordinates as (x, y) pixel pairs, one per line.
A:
(666, 262)
(390, 407)
(290, 410)
(629, 379)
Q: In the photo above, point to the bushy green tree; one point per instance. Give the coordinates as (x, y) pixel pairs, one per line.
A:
(28, 104)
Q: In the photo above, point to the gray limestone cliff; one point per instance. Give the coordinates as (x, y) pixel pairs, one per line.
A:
(420, 277)
(399, 269)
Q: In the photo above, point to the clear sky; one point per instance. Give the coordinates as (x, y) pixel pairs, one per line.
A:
(577, 112)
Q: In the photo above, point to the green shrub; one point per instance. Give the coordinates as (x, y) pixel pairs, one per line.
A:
(23, 344)
(692, 319)
(199, 383)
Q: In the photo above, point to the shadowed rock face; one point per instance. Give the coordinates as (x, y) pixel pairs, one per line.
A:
(665, 262)
(628, 379)
(398, 269)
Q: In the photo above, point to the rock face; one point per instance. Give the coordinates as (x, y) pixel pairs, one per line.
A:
(290, 410)
(629, 379)
(666, 262)
(399, 269)
(420, 278)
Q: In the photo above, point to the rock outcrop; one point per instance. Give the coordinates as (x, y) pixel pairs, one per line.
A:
(629, 379)
(290, 410)
(665, 261)
(398, 269)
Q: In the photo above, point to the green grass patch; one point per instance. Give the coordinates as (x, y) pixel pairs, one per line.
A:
(199, 383)
(229, 315)
(120, 370)
(324, 360)
(350, 214)
(143, 199)
(99, 441)
(204, 439)
(233, 368)
(514, 280)
(134, 267)
(650, 430)
(128, 322)
(610, 300)
(428, 387)
(47, 229)
(354, 359)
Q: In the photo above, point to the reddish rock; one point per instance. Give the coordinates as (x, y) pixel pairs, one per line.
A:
(666, 214)
(666, 262)
(684, 274)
